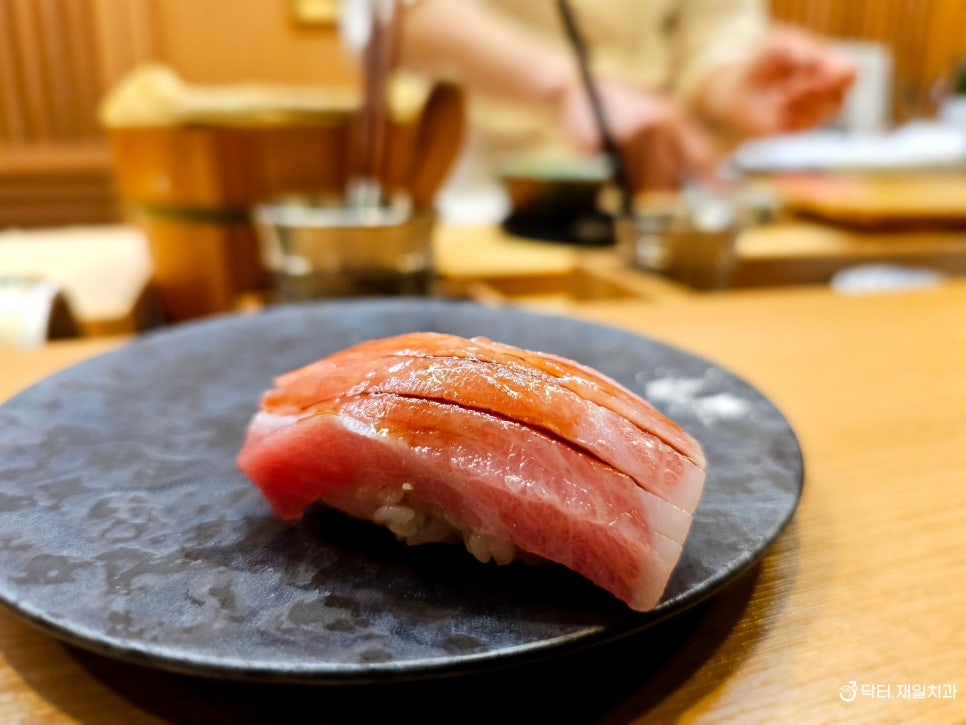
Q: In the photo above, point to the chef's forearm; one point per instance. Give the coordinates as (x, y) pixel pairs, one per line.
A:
(484, 51)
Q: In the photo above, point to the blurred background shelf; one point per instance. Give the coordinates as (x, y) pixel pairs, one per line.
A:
(59, 57)
(58, 168)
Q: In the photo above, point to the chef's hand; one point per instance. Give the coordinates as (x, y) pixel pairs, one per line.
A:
(660, 145)
(794, 82)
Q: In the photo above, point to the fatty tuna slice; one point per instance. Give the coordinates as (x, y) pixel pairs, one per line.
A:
(501, 477)
(515, 392)
(580, 379)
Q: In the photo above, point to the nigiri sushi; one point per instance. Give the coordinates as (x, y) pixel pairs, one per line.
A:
(516, 453)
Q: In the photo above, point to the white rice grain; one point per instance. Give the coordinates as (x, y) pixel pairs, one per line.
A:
(416, 522)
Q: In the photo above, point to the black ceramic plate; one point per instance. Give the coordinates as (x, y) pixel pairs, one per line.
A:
(126, 528)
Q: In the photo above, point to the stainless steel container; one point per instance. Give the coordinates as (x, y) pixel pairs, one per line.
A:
(316, 247)
(692, 245)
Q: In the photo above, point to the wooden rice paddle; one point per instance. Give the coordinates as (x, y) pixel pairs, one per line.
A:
(439, 137)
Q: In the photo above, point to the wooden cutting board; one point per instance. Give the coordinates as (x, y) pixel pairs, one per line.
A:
(880, 201)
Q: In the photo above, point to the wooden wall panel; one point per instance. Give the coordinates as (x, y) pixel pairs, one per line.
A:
(124, 37)
(12, 122)
(926, 38)
(945, 41)
(50, 75)
(213, 41)
(57, 59)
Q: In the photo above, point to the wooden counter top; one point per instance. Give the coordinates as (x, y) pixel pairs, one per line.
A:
(866, 586)
(106, 271)
(789, 252)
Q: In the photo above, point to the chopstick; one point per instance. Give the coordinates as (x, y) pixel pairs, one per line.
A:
(365, 186)
(608, 141)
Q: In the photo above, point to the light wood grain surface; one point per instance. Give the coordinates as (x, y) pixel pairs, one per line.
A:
(790, 252)
(880, 201)
(106, 270)
(866, 585)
